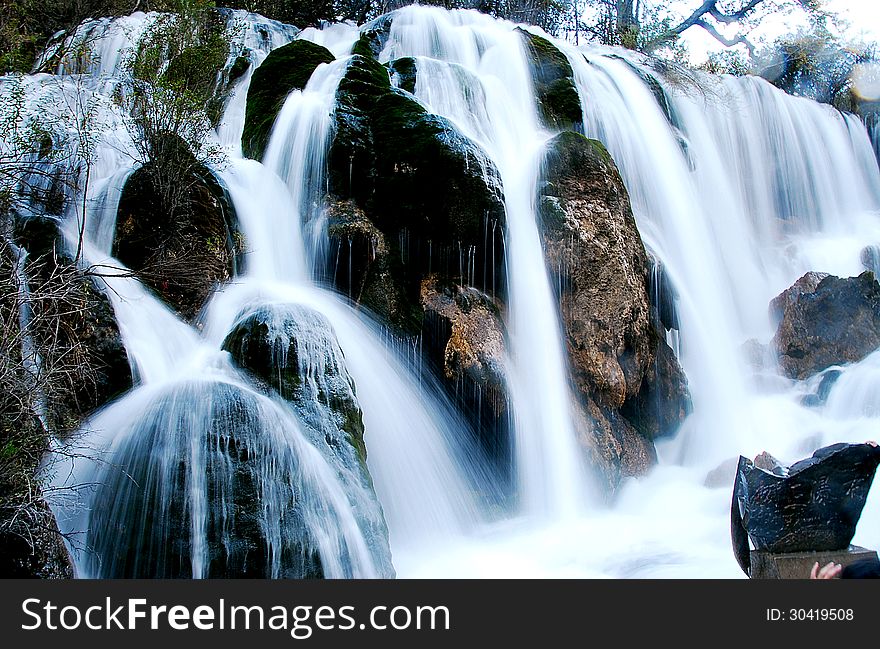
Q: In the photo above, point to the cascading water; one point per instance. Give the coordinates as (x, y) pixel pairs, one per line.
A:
(737, 190)
(473, 70)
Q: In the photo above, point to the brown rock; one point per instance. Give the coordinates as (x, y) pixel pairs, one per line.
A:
(804, 286)
(464, 335)
(629, 381)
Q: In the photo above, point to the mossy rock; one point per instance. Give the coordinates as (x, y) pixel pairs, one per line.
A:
(351, 157)
(286, 69)
(431, 179)
(373, 37)
(239, 68)
(432, 192)
(294, 351)
(180, 247)
(557, 94)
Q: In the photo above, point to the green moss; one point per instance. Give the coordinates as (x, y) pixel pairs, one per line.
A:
(419, 181)
(555, 89)
(561, 104)
(287, 68)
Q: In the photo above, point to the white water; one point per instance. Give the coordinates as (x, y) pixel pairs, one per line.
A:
(473, 70)
(768, 188)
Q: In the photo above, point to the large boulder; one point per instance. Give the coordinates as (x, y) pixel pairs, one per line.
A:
(178, 234)
(555, 89)
(826, 321)
(430, 191)
(627, 376)
(287, 68)
(813, 505)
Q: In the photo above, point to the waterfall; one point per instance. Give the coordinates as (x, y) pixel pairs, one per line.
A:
(737, 190)
(473, 70)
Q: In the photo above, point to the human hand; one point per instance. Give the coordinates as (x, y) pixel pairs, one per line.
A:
(829, 571)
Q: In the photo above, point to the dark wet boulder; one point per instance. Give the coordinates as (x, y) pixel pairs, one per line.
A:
(836, 322)
(558, 99)
(432, 180)
(177, 233)
(287, 68)
(404, 73)
(620, 362)
(351, 156)
(430, 191)
(812, 506)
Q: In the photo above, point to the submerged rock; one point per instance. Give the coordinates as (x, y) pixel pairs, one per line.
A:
(178, 235)
(226, 487)
(814, 505)
(826, 321)
(622, 367)
(287, 68)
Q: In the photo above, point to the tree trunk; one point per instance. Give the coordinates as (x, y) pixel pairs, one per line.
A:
(627, 23)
